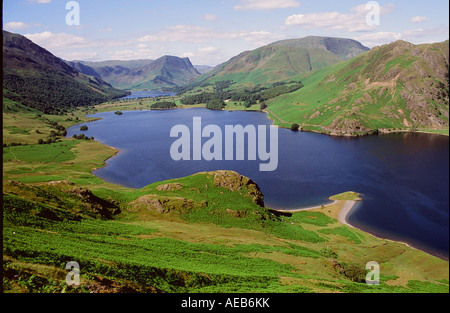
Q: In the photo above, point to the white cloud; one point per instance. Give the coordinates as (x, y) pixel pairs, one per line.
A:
(40, 1)
(379, 38)
(205, 55)
(135, 54)
(354, 21)
(245, 5)
(195, 34)
(260, 38)
(416, 36)
(50, 40)
(186, 33)
(85, 56)
(105, 30)
(15, 25)
(210, 17)
(419, 19)
(208, 50)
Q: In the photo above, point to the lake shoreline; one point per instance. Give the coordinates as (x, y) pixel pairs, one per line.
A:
(344, 215)
(341, 209)
(269, 113)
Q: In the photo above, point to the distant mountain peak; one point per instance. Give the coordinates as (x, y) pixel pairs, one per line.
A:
(166, 71)
(284, 59)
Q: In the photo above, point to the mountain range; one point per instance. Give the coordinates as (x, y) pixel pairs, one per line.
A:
(167, 71)
(284, 59)
(395, 86)
(35, 77)
(348, 88)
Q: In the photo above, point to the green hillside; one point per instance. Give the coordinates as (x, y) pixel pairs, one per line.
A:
(38, 79)
(399, 86)
(209, 232)
(284, 59)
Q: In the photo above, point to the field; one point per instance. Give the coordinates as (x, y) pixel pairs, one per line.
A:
(203, 233)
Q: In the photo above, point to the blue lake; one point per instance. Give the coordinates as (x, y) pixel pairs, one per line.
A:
(149, 94)
(404, 178)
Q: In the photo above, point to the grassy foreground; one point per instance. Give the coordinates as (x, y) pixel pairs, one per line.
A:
(203, 233)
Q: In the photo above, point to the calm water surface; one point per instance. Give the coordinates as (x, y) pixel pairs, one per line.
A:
(149, 94)
(404, 177)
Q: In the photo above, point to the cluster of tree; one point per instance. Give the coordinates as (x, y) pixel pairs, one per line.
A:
(295, 127)
(215, 104)
(83, 128)
(60, 130)
(118, 113)
(248, 96)
(279, 89)
(52, 93)
(82, 137)
(12, 144)
(222, 85)
(163, 105)
(47, 141)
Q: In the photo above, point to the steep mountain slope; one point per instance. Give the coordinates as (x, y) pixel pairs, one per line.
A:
(38, 79)
(343, 48)
(284, 59)
(167, 71)
(395, 86)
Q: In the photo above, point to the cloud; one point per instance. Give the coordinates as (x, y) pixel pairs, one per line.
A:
(186, 33)
(85, 56)
(416, 36)
(379, 38)
(210, 17)
(246, 5)
(260, 38)
(205, 55)
(419, 19)
(105, 30)
(53, 40)
(15, 25)
(40, 1)
(195, 34)
(208, 50)
(354, 21)
(135, 54)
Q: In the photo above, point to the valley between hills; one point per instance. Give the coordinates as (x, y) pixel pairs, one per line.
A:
(209, 232)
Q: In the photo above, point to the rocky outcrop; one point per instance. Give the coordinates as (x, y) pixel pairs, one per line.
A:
(235, 182)
(184, 196)
(164, 205)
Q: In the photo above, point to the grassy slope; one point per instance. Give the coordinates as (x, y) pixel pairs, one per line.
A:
(224, 243)
(340, 98)
(268, 65)
(21, 123)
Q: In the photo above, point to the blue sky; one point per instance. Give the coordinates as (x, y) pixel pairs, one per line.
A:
(210, 32)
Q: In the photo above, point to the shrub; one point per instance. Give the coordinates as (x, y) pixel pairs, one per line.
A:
(163, 105)
(215, 104)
